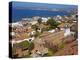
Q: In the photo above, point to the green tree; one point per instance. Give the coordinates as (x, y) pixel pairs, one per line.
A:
(52, 23)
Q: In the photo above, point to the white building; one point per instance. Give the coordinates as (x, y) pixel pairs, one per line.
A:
(35, 17)
(59, 17)
(16, 24)
(44, 19)
(39, 30)
(67, 32)
(66, 28)
(26, 18)
(33, 22)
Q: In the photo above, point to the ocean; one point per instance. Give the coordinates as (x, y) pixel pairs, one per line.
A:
(18, 14)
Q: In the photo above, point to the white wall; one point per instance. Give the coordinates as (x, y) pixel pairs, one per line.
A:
(67, 32)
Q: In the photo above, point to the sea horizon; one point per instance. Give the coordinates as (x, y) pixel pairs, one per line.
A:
(23, 10)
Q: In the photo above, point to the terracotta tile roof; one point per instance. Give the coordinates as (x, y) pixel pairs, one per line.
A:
(21, 36)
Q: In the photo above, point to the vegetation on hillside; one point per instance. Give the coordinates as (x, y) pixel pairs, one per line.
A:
(52, 23)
